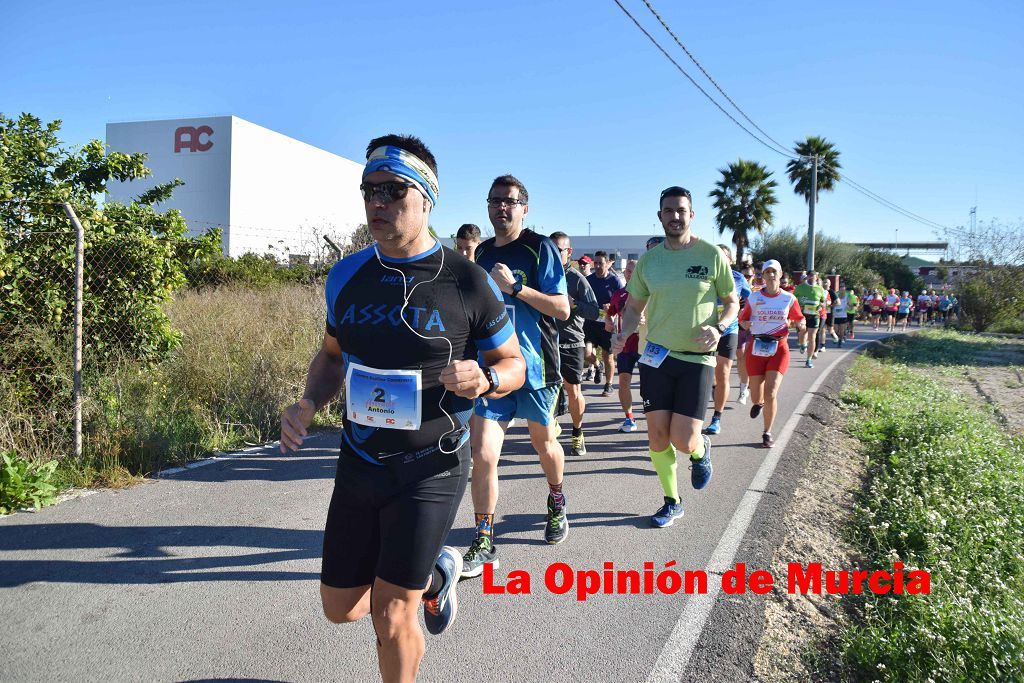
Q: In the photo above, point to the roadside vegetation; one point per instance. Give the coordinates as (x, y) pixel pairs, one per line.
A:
(943, 491)
(243, 354)
(184, 351)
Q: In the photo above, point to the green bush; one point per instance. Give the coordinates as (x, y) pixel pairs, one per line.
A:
(991, 296)
(945, 494)
(24, 483)
(1010, 326)
(251, 271)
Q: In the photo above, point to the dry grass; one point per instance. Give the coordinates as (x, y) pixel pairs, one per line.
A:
(243, 356)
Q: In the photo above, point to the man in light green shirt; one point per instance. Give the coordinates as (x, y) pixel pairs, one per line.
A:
(811, 297)
(677, 284)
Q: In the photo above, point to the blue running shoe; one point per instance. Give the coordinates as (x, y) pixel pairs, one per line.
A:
(809, 363)
(714, 427)
(701, 470)
(667, 513)
(628, 425)
(439, 612)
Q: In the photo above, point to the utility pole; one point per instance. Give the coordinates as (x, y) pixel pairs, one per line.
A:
(810, 218)
(588, 228)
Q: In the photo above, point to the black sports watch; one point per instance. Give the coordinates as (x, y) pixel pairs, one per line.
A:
(493, 381)
(721, 329)
(516, 288)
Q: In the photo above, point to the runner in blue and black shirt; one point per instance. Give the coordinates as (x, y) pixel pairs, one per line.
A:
(528, 271)
(415, 333)
(728, 345)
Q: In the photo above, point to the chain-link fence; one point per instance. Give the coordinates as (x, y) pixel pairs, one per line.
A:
(165, 371)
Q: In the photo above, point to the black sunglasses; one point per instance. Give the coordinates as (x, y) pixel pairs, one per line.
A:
(389, 191)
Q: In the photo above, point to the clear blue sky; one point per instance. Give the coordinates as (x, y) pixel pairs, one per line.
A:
(925, 100)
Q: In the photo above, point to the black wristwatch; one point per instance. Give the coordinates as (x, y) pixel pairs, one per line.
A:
(493, 381)
(516, 288)
(721, 329)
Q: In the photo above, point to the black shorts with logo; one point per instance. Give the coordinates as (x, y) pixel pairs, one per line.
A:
(812, 321)
(378, 526)
(572, 361)
(678, 385)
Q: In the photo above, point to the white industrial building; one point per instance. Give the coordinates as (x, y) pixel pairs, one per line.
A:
(268, 192)
(619, 247)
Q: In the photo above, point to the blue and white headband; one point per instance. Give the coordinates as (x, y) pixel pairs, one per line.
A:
(406, 165)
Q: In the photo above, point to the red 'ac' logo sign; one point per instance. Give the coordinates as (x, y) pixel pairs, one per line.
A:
(190, 138)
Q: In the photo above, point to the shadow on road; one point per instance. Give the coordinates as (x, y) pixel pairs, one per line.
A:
(153, 554)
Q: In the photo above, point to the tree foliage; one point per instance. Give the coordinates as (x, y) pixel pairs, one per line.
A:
(135, 256)
(858, 267)
(990, 296)
(800, 170)
(991, 288)
(744, 197)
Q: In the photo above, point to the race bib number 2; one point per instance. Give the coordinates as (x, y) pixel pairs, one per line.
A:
(654, 355)
(389, 399)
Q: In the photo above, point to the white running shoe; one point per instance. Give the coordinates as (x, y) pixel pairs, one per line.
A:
(742, 398)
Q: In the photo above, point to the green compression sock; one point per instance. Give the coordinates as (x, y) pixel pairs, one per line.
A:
(665, 466)
(699, 453)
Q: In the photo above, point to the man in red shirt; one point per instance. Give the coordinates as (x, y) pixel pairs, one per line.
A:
(626, 360)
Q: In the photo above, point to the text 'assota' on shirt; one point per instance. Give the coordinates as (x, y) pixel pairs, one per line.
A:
(364, 313)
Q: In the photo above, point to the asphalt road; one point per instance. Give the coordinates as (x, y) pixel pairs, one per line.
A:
(212, 573)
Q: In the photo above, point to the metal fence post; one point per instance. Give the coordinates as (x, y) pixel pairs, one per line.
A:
(77, 361)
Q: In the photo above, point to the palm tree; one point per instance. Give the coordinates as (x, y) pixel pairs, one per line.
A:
(800, 170)
(743, 201)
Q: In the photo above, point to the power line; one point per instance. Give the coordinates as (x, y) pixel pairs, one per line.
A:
(696, 85)
(874, 196)
(841, 177)
(708, 76)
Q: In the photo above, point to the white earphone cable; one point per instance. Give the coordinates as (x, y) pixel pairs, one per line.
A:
(406, 295)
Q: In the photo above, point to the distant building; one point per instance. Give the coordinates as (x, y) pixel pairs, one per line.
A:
(937, 275)
(268, 192)
(619, 247)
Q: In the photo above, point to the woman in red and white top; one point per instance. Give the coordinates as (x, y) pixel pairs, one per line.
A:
(767, 315)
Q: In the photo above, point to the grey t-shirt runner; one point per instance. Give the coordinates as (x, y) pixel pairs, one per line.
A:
(584, 306)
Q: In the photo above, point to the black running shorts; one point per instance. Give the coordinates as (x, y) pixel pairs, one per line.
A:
(678, 385)
(626, 362)
(812, 321)
(594, 332)
(572, 364)
(727, 345)
(378, 527)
